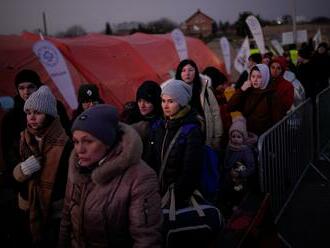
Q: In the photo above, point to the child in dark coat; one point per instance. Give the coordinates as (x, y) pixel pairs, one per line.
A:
(239, 157)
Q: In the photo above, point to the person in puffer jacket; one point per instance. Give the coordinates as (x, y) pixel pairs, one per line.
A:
(112, 197)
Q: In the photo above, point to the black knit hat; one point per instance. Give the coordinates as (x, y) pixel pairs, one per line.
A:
(101, 121)
(88, 93)
(217, 77)
(27, 76)
(149, 91)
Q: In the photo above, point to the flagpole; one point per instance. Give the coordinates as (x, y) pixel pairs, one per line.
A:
(294, 26)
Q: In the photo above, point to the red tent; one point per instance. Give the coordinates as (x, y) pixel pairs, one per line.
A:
(117, 64)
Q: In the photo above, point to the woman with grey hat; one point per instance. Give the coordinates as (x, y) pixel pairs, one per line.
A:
(44, 150)
(177, 164)
(112, 197)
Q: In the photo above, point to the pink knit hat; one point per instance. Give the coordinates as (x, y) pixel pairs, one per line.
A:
(239, 124)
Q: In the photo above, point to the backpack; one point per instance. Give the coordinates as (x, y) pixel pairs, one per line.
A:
(210, 177)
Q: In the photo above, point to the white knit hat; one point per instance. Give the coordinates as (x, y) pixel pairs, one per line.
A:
(179, 90)
(43, 101)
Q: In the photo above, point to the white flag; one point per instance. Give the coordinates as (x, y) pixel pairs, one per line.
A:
(180, 43)
(225, 48)
(317, 38)
(54, 63)
(256, 31)
(241, 60)
(276, 44)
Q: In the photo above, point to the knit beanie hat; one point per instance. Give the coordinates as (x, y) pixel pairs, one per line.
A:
(178, 90)
(43, 101)
(239, 124)
(149, 91)
(101, 121)
(281, 60)
(88, 93)
(27, 76)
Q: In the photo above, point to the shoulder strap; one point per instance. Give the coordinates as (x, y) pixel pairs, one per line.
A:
(164, 159)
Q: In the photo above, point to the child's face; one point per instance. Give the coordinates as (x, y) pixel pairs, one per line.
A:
(236, 138)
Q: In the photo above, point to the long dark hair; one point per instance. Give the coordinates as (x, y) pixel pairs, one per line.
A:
(196, 84)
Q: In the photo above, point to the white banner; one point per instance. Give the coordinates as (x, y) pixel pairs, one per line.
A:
(241, 60)
(54, 63)
(180, 43)
(256, 31)
(287, 37)
(225, 48)
(276, 44)
(317, 39)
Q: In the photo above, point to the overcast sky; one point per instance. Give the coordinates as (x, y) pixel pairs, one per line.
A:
(19, 15)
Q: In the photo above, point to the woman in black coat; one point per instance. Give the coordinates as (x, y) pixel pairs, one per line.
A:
(178, 164)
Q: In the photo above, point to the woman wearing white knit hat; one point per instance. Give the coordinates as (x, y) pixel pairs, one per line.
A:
(44, 151)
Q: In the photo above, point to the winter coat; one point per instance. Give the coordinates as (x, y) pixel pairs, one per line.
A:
(299, 91)
(259, 107)
(213, 121)
(183, 165)
(42, 193)
(285, 92)
(143, 128)
(115, 205)
(306, 75)
(13, 123)
(243, 154)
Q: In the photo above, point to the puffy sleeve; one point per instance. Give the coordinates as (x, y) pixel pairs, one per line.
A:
(145, 215)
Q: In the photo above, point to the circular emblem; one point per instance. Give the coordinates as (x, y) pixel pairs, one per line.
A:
(48, 56)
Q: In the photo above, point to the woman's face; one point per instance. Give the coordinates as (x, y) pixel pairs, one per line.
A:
(25, 89)
(236, 138)
(145, 107)
(35, 119)
(275, 70)
(88, 148)
(188, 74)
(170, 107)
(256, 79)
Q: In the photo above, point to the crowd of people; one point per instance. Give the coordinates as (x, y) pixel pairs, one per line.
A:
(103, 178)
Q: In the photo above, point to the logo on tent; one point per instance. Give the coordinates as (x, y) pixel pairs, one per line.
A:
(48, 55)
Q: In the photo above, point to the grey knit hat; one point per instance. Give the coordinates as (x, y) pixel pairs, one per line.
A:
(43, 101)
(101, 121)
(179, 90)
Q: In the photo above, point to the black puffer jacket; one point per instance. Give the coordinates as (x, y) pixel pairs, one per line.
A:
(184, 162)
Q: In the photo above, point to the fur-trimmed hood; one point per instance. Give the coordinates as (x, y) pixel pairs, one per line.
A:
(125, 154)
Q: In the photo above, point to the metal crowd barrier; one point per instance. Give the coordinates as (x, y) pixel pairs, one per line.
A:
(285, 154)
(322, 123)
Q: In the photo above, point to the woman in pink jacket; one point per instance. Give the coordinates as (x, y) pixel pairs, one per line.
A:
(112, 197)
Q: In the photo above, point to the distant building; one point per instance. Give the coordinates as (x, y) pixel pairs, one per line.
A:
(199, 24)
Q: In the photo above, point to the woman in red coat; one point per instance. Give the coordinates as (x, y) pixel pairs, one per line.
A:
(283, 88)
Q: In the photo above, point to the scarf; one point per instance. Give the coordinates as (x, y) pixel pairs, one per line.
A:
(40, 186)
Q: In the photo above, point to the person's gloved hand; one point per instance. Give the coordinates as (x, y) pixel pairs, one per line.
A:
(30, 165)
